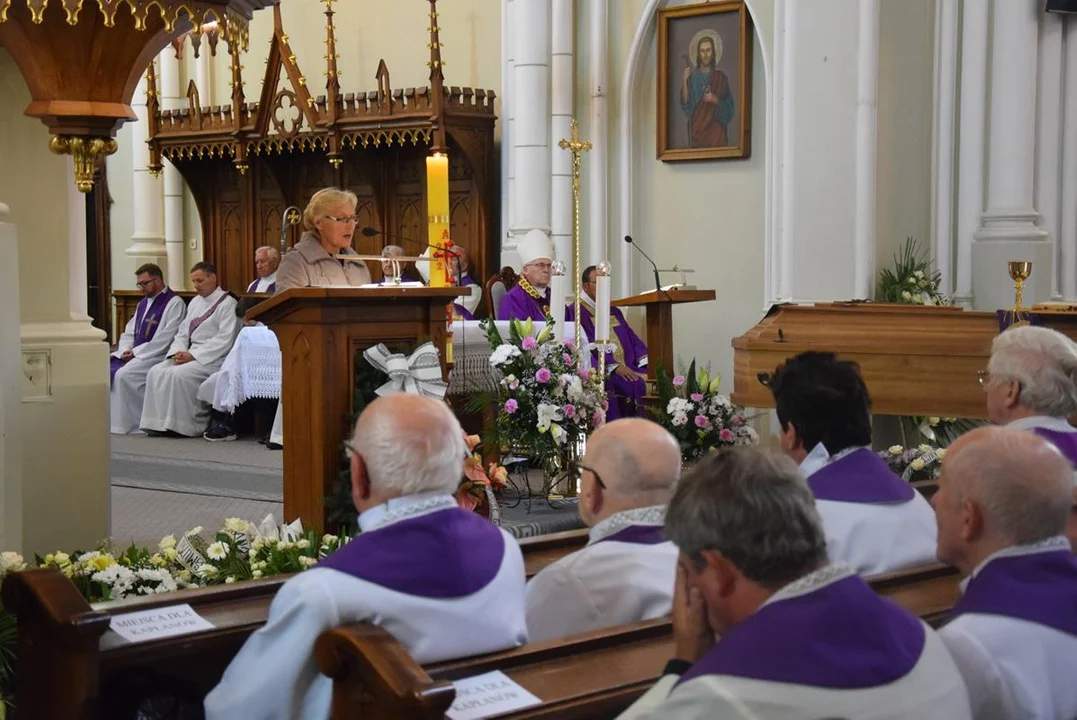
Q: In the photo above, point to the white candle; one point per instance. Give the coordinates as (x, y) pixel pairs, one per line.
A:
(602, 309)
(557, 298)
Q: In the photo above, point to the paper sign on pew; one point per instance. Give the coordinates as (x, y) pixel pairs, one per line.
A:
(158, 623)
(489, 694)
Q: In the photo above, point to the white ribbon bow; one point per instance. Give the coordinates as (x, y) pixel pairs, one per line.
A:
(418, 373)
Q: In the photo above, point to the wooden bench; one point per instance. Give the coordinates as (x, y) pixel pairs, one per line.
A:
(63, 636)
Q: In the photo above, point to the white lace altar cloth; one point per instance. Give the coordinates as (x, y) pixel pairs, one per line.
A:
(251, 370)
(472, 372)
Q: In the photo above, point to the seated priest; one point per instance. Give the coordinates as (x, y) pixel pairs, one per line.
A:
(765, 627)
(626, 379)
(531, 296)
(142, 345)
(1031, 384)
(874, 520)
(445, 582)
(626, 572)
(328, 226)
(406, 269)
(204, 338)
(266, 262)
(1003, 502)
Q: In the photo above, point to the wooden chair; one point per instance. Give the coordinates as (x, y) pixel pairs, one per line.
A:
(497, 286)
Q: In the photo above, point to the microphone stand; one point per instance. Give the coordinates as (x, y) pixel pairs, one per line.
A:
(657, 280)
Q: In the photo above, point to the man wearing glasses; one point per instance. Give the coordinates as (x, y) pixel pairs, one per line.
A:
(143, 344)
(626, 572)
(530, 299)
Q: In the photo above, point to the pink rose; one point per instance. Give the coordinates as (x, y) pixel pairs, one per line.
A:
(567, 358)
(726, 435)
(584, 374)
(513, 384)
(543, 375)
(737, 420)
(570, 344)
(569, 410)
(678, 380)
(702, 421)
(511, 406)
(530, 343)
(598, 419)
(697, 397)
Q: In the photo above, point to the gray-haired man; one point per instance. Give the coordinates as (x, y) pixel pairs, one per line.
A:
(765, 627)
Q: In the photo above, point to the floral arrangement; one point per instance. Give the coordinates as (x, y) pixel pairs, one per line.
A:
(547, 400)
(701, 418)
(936, 431)
(915, 463)
(912, 280)
(478, 480)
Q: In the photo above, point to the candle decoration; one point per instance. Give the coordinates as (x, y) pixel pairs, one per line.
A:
(437, 204)
(557, 297)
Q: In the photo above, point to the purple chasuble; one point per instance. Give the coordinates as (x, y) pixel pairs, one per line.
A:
(148, 316)
(1066, 442)
(625, 396)
(518, 305)
(272, 286)
(637, 534)
(449, 553)
(462, 311)
(1038, 587)
(842, 636)
(859, 477)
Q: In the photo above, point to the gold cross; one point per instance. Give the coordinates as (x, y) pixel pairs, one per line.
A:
(577, 147)
(573, 143)
(150, 321)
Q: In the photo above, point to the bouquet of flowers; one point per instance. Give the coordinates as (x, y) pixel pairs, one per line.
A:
(915, 463)
(912, 280)
(693, 411)
(547, 400)
(473, 489)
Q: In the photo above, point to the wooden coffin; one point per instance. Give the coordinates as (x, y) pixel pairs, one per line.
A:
(916, 360)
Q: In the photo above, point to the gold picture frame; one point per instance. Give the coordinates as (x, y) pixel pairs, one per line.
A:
(704, 95)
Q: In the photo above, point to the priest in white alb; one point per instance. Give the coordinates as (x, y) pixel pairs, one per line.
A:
(443, 581)
(1003, 502)
(766, 628)
(143, 344)
(204, 338)
(625, 574)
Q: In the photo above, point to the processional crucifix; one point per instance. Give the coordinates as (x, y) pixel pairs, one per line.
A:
(576, 147)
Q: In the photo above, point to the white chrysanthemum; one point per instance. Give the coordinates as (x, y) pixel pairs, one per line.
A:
(502, 354)
(307, 561)
(256, 574)
(896, 449)
(11, 562)
(168, 541)
(217, 551)
(208, 571)
(229, 580)
(302, 544)
(235, 525)
(329, 539)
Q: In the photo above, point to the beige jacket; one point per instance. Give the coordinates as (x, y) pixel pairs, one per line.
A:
(309, 265)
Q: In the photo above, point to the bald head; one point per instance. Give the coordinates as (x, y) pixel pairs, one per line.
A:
(409, 444)
(1000, 487)
(638, 461)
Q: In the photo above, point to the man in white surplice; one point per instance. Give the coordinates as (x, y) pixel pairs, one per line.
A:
(144, 342)
(625, 574)
(1003, 502)
(765, 628)
(874, 520)
(445, 582)
(204, 338)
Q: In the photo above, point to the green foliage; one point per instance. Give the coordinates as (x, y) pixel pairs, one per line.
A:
(912, 280)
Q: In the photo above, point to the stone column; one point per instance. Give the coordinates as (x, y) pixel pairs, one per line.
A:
(597, 162)
(531, 123)
(10, 401)
(866, 149)
(942, 148)
(148, 240)
(1049, 94)
(1008, 229)
(171, 99)
(561, 92)
(1067, 255)
(970, 145)
(508, 166)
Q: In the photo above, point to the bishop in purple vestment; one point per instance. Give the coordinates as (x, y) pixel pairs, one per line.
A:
(530, 299)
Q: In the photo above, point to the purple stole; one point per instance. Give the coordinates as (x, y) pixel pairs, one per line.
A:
(518, 305)
(842, 636)
(1038, 587)
(1066, 442)
(449, 553)
(638, 535)
(462, 311)
(148, 316)
(205, 316)
(859, 477)
(272, 286)
(625, 397)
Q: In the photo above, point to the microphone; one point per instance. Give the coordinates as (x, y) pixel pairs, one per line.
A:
(657, 282)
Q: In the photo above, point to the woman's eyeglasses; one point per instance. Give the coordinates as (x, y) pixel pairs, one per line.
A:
(343, 220)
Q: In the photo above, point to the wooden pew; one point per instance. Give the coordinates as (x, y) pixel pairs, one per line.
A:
(595, 675)
(63, 636)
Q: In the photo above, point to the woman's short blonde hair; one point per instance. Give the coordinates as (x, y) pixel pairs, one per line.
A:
(322, 201)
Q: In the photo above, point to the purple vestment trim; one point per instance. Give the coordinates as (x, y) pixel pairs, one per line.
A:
(205, 316)
(518, 305)
(1066, 442)
(859, 477)
(144, 329)
(841, 636)
(1039, 587)
(449, 553)
(625, 396)
(272, 286)
(637, 534)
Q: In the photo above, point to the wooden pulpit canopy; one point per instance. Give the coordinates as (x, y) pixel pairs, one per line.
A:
(915, 360)
(248, 162)
(659, 304)
(81, 60)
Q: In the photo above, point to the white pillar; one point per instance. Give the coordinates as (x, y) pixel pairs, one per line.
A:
(11, 424)
(1049, 133)
(970, 177)
(508, 54)
(942, 147)
(76, 250)
(597, 163)
(172, 98)
(531, 109)
(787, 19)
(201, 76)
(1008, 231)
(148, 240)
(866, 149)
(1067, 238)
(561, 102)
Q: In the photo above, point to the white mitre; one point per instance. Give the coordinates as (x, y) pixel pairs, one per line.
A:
(536, 245)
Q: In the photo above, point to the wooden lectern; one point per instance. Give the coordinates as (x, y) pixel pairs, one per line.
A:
(659, 304)
(320, 329)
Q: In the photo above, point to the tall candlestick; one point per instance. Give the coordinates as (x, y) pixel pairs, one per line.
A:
(437, 204)
(602, 302)
(557, 298)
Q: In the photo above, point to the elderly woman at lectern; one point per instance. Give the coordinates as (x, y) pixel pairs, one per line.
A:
(329, 223)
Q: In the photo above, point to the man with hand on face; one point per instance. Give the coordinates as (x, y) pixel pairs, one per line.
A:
(765, 627)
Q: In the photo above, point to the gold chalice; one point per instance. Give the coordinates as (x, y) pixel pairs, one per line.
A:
(1019, 272)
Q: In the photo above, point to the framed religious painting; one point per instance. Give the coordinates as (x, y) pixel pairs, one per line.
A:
(704, 82)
